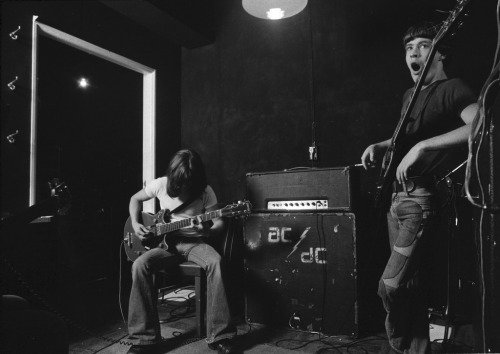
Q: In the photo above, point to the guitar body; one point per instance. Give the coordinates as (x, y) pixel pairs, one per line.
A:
(160, 225)
(134, 246)
(387, 176)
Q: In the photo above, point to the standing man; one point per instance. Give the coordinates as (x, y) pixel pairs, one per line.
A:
(439, 123)
(183, 188)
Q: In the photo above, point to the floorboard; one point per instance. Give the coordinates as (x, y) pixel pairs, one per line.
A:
(108, 333)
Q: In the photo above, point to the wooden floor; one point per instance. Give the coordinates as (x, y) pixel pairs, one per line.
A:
(95, 317)
(101, 329)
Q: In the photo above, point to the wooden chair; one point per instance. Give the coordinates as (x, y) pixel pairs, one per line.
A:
(227, 245)
(190, 269)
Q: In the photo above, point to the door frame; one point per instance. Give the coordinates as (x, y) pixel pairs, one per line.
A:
(148, 101)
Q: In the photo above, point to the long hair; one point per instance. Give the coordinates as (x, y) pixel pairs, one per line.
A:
(186, 169)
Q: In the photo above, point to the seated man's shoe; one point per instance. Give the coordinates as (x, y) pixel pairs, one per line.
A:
(143, 349)
(224, 346)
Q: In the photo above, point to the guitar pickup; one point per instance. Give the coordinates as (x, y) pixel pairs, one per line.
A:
(128, 239)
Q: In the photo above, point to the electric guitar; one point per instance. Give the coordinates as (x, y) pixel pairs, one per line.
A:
(393, 154)
(159, 227)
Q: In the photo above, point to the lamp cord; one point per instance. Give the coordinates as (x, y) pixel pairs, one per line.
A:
(311, 81)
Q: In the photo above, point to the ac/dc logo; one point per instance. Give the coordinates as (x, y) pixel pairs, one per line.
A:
(312, 255)
(315, 255)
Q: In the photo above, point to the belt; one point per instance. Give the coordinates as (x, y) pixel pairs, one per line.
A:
(414, 183)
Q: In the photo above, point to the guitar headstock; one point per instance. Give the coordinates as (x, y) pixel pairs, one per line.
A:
(236, 209)
(452, 21)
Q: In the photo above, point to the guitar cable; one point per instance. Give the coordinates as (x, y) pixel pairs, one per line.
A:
(122, 244)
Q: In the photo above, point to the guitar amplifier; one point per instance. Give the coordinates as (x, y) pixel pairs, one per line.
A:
(315, 189)
(301, 271)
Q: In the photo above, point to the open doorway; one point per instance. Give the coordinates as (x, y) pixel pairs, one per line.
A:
(93, 127)
(88, 51)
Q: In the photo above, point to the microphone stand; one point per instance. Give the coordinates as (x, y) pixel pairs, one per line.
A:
(452, 225)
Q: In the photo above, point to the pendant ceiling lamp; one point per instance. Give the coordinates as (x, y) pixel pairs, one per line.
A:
(274, 9)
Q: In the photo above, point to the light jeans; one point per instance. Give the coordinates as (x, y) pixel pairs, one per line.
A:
(143, 320)
(403, 287)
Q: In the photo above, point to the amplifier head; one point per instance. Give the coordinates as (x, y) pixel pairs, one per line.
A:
(316, 189)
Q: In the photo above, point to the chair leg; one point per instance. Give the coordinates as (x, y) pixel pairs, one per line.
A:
(200, 293)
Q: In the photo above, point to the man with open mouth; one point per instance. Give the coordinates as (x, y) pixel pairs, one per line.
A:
(434, 136)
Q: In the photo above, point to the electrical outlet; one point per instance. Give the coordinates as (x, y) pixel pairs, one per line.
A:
(313, 153)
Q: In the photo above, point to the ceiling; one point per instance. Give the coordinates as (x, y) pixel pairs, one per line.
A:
(189, 23)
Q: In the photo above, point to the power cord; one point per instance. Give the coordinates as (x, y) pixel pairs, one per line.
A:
(323, 340)
(347, 346)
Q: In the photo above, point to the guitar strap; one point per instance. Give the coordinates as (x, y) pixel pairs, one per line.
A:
(427, 98)
(172, 241)
(183, 205)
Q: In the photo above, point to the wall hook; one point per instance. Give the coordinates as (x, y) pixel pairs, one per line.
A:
(13, 34)
(11, 84)
(10, 138)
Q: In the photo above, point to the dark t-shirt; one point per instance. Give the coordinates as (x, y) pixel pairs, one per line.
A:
(437, 111)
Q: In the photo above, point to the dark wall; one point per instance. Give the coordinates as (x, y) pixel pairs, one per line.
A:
(99, 25)
(247, 103)
(92, 140)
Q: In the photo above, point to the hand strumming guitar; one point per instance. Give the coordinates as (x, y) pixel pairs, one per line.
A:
(140, 230)
(372, 153)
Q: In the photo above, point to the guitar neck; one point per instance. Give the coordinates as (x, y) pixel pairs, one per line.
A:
(161, 229)
(416, 91)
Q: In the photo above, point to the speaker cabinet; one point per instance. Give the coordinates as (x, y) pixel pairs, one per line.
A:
(301, 271)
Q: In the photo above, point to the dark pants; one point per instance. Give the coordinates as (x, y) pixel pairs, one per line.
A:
(403, 287)
(143, 321)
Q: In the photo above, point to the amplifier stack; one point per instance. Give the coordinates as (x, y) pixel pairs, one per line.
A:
(301, 246)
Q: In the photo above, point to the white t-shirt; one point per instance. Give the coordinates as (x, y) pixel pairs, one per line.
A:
(158, 188)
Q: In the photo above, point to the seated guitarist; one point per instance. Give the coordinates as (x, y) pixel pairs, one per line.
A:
(439, 123)
(183, 187)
